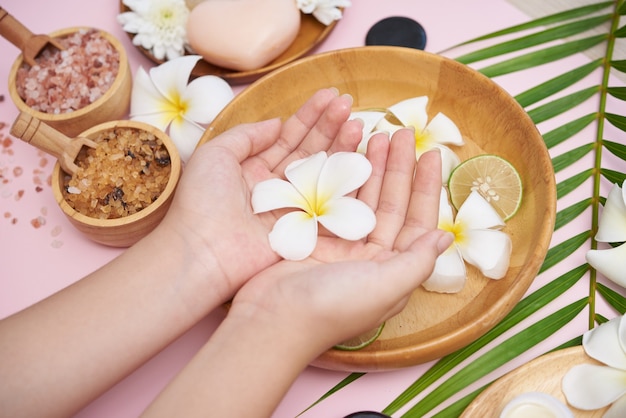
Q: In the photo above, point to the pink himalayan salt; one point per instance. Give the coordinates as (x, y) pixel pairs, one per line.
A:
(67, 80)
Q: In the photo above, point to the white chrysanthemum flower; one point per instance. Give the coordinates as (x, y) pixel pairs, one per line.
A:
(316, 185)
(163, 99)
(588, 386)
(160, 26)
(477, 241)
(326, 11)
(612, 228)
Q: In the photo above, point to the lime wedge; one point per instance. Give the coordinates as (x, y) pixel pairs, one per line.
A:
(362, 340)
(493, 177)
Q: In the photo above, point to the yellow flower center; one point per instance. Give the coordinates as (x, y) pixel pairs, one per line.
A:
(422, 141)
(176, 106)
(457, 228)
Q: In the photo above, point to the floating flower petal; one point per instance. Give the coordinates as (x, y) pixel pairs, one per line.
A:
(163, 99)
(478, 241)
(316, 185)
(370, 119)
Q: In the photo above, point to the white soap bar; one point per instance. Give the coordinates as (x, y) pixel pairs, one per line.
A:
(242, 34)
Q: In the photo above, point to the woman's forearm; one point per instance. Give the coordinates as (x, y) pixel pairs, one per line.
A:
(243, 371)
(62, 352)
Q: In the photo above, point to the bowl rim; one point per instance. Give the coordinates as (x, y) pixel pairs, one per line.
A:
(122, 73)
(431, 348)
(170, 187)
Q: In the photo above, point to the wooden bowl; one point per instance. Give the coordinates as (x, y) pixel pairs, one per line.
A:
(490, 120)
(125, 231)
(113, 105)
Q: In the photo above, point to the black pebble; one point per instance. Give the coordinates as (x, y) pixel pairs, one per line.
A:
(397, 31)
(367, 414)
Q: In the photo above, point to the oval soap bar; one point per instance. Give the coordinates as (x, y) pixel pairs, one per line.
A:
(242, 35)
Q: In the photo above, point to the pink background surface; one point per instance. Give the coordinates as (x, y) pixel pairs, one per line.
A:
(37, 261)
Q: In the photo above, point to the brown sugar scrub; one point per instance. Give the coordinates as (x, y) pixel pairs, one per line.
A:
(126, 171)
(68, 80)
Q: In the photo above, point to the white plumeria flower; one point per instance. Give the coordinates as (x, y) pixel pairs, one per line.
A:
(477, 240)
(590, 387)
(164, 99)
(325, 11)
(317, 185)
(160, 26)
(436, 133)
(612, 228)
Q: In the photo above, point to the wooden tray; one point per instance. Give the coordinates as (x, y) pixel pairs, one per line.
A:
(311, 33)
(544, 374)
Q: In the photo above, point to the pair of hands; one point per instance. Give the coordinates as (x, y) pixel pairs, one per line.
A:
(376, 275)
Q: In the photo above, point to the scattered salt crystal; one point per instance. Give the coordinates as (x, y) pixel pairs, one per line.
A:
(73, 190)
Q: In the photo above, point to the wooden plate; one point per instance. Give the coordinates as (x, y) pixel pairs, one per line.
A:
(311, 33)
(544, 374)
(432, 325)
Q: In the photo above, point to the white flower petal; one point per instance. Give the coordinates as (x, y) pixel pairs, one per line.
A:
(185, 135)
(294, 236)
(158, 120)
(276, 194)
(171, 77)
(443, 131)
(603, 344)
(477, 213)
(206, 96)
(610, 262)
(385, 126)
(446, 216)
(449, 274)
(412, 112)
(348, 218)
(304, 175)
(617, 410)
(146, 99)
(590, 387)
(488, 250)
(612, 225)
(342, 173)
(370, 119)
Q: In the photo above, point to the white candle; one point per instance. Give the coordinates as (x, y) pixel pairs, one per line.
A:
(536, 405)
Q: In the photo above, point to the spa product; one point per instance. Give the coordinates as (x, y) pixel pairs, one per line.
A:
(242, 35)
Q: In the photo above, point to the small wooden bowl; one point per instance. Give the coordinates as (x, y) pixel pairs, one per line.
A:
(113, 105)
(125, 231)
(490, 120)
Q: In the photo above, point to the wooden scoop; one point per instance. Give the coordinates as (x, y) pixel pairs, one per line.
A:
(42, 136)
(30, 44)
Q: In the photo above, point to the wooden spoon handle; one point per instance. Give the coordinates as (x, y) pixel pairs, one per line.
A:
(13, 31)
(31, 130)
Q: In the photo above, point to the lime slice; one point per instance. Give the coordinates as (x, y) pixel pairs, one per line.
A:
(493, 177)
(362, 340)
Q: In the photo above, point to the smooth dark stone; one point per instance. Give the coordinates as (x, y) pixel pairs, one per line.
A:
(397, 31)
(367, 414)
